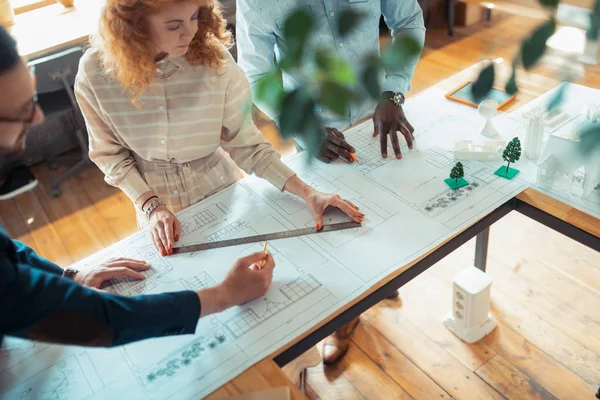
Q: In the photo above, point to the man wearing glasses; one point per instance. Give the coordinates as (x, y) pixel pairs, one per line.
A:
(16, 122)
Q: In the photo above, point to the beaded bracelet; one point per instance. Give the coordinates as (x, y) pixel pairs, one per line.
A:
(153, 207)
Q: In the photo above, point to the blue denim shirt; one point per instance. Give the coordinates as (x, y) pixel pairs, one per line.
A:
(259, 35)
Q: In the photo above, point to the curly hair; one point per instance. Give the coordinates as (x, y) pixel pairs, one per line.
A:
(123, 37)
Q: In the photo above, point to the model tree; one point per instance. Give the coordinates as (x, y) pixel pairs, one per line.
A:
(511, 154)
(457, 172)
(456, 179)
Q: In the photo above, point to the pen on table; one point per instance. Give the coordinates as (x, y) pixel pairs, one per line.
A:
(351, 154)
(262, 262)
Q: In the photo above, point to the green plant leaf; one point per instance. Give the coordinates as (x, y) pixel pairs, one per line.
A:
(484, 83)
(557, 97)
(296, 31)
(270, 89)
(403, 47)
(341, 72)
(511, 85)
(371, 77)
(549, 3)
(334, 68)
(533, 48)
(336, 97)
(294, 107)
(348, 20)
(593, 32)
(323, 59)
(299, 118)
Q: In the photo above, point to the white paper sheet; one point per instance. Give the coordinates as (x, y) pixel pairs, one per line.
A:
(409, 210)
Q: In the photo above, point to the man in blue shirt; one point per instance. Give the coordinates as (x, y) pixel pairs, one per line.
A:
(41, 301)
(260, 44)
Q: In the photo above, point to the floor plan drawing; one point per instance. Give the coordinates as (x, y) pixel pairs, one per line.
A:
(160, 373)
(63, 380)
(408, 209)
(292, 291)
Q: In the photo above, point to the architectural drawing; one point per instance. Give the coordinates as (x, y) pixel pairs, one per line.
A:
(129, 287)
(227, 232)
(15, 347)
(409, 211)
(62, 381)
(293, 292)
(160, 372)
(198, 282)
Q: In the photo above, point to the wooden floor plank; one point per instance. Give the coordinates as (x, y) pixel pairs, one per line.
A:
(362, 373)
(12, 222)
(112, 204)
(328, 385)
(573, 355)
(540, 367)
(450, 374)
(46, 240)
(394, 364)
(511, 382)
(74, 217)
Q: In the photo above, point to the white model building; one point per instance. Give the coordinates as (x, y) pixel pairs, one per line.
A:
(470, 318)
(560, 158)
(490, 150)
(534, 135)
(592, 113)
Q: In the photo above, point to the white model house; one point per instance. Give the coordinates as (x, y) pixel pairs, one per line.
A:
(490, 150)
(560, 158)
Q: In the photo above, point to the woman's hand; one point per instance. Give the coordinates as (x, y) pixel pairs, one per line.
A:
(165, 230)
(318, 203)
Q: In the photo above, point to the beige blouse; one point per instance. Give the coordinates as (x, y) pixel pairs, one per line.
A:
(178, 127)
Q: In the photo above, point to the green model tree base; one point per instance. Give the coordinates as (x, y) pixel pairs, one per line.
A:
(508, 175)
(456, 184)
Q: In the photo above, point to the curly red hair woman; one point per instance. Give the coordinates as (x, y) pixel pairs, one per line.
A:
(168, 116)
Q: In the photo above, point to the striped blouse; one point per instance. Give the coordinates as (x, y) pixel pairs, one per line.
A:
(190, 115)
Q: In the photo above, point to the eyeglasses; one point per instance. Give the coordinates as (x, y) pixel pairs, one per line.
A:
(28, 120)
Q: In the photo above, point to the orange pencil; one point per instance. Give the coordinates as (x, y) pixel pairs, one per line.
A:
(351, 154)
(262, 262)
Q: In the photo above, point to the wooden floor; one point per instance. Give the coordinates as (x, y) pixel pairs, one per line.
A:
(545, 295)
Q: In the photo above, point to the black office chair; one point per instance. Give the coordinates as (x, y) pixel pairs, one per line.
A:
(55, 79)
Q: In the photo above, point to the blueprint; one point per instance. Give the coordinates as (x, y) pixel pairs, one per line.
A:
(409, 211)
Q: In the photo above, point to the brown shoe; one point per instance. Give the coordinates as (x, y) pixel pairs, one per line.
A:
(394, 295)
(336, 345)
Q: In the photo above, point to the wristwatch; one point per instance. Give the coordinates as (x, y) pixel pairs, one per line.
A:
(398, 98)
(69, 273)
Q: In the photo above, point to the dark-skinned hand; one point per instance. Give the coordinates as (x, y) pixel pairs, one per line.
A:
(389, 119)
(335, 146)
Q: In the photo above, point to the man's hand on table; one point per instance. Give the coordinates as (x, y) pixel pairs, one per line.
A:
(246, 280)
(116, 268)
(389, 119)
(335, 146)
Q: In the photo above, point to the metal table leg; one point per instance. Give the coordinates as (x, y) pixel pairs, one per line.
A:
(450, 14)
(481, 248)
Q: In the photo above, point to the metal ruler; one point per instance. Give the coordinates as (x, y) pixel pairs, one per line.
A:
(263, 238)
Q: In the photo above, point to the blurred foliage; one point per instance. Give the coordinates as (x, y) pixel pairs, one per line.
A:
(328, 84)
